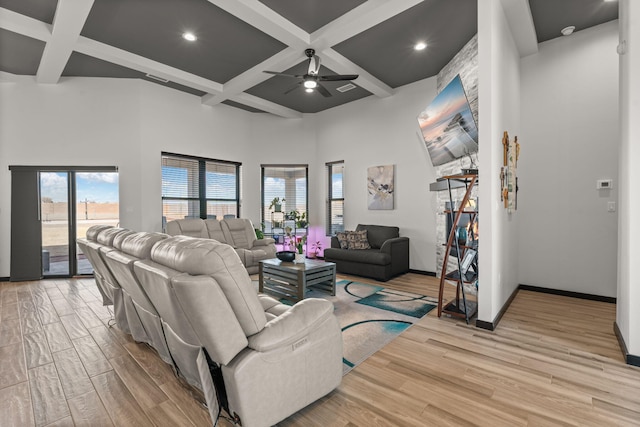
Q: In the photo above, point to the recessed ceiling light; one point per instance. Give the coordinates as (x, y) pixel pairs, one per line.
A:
(567, 31)
(189, 36)
(420, 46)
(308, 90)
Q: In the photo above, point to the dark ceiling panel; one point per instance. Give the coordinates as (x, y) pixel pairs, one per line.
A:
(311, 15)
(88, 66)
(226, 46)
(551, 16)
(42, 10)
(19, 54)
(274, 90)
(386, 50)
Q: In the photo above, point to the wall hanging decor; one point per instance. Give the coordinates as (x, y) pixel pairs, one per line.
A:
(508, 176)
(380, 187)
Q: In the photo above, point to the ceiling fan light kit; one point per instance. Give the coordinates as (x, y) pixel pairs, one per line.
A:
(311, 79)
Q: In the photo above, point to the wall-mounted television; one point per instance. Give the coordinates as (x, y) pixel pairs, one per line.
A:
(447, 125)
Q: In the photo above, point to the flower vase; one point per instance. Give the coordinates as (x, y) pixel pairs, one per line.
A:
(299, 258)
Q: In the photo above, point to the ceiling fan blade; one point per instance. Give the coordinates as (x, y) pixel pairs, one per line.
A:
(323, 91)
(294, 87)
(283, 74)
(337, 77)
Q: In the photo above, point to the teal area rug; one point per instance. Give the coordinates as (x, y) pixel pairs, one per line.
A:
(372, 316)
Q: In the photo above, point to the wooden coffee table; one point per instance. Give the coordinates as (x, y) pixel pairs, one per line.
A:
(291, 281)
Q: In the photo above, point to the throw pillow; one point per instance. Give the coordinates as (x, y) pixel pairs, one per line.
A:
(342, 239)
(358, 240)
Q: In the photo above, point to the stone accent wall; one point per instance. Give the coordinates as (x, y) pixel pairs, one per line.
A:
(465, 63)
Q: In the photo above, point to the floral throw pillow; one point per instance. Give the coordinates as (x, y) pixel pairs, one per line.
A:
(358, 240)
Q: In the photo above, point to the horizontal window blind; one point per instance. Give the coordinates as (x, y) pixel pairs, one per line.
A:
(194, 187)
(335, 203)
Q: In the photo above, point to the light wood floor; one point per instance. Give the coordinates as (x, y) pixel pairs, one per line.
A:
(552, 361)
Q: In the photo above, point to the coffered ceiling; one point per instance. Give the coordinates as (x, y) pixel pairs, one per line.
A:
(52, 40)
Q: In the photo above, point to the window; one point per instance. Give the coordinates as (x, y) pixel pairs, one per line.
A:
(335, 202)
(194, 187)
(288, 182)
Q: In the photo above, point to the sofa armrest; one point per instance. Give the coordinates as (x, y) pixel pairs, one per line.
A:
(397, 243)
(398, 248)
(263, 242)
(292, 325)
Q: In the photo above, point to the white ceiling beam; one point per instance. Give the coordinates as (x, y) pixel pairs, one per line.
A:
(266, 106)
(20, 24)
(518, 13)
(139, 63)
(253, 76)
(68, 22)
(341, 65)
(363, 17)
(266, 20)
(14, 78)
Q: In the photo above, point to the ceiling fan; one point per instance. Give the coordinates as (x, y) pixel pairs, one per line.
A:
(311, 80)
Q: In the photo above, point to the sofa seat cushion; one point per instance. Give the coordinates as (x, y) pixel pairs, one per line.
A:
(366, 256)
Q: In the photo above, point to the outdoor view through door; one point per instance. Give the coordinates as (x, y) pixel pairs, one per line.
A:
(70, 203)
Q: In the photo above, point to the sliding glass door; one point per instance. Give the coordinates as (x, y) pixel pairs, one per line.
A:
(70, 203)
(96, 202)
(54, 217)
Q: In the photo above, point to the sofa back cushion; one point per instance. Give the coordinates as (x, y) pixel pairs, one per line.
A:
(196, 310)
(94, 230)
(378, 234)
(239, 232)
(214, 230)
(193, 227)
(221, 262)
(106, 236)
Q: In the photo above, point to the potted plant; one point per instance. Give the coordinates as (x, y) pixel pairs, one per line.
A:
(299, 218)
(276, 204)
(316, 248)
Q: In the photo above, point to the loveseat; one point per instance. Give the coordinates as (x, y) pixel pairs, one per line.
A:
(236, 232)
(258, 359)
(374, 251)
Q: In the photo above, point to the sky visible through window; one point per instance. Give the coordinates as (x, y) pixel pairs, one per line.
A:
(99, 187)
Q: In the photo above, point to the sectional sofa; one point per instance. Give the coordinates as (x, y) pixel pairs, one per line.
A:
(193, 301)
(236, 232)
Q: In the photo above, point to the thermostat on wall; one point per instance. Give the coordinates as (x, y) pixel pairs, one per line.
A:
(602, 184)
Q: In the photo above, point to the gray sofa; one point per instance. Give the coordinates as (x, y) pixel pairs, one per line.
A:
(387, 257)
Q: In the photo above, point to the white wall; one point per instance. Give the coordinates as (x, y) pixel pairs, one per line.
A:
(127, 123)
(373, 132)
(569, 140)
(628, 292)
(499, 111)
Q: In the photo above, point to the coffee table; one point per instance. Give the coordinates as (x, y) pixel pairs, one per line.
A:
(291, 281)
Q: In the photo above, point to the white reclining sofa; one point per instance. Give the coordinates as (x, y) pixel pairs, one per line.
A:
(236, 232)
(260, 360)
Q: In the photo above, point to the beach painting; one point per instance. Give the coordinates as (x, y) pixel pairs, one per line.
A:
(447, 125)
(380, 187)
